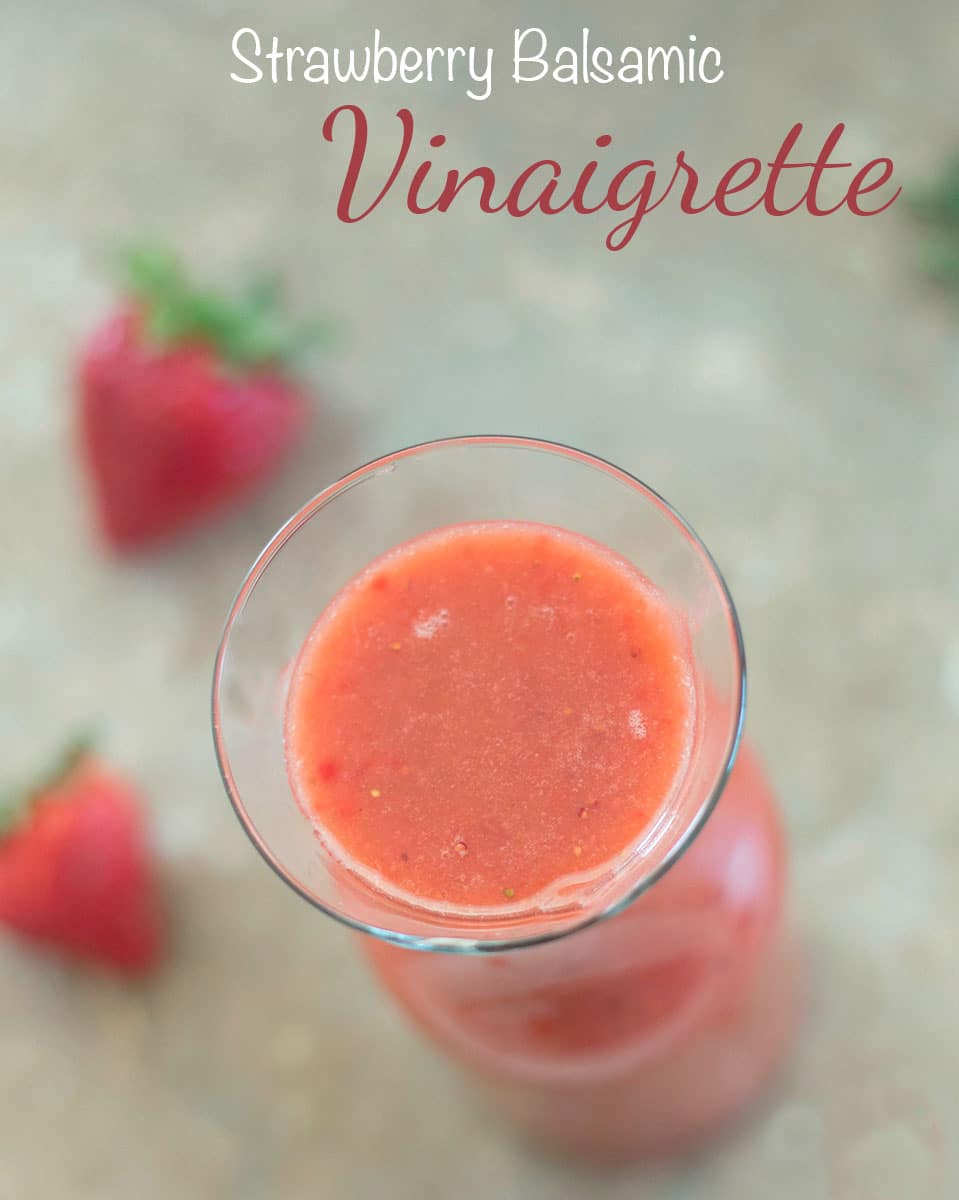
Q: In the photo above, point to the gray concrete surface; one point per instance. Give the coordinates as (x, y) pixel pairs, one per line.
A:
(788, 384)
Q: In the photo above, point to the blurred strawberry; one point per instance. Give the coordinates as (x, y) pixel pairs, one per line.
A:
(75, 870)
(186, 401)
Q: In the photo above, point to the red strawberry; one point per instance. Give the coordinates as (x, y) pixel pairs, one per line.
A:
(75, 871)
(186, 403)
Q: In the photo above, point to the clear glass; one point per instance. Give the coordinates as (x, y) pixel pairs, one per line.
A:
(632, 1018)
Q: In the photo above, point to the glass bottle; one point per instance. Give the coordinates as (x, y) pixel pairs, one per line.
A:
(642, 1014)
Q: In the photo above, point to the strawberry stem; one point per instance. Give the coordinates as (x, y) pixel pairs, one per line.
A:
(246, 331)
(15, 803)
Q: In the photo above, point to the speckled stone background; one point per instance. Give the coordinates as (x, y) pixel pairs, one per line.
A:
(789, 384)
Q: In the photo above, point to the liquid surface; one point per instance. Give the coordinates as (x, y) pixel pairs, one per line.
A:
(488, 710)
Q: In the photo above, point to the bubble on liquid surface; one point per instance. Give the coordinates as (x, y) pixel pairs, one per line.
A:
(427, 627)
(637, 724)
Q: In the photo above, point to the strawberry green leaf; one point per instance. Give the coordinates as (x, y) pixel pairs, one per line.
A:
(247, 331)
(151, 271)
(15, 803)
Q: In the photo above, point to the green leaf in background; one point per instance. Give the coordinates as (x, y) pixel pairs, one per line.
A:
(247, 331)
(15, 802)
(937, 207)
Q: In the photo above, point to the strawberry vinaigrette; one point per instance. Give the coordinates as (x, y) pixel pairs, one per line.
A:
(489, 718)
(487, 711)
(510, 753)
